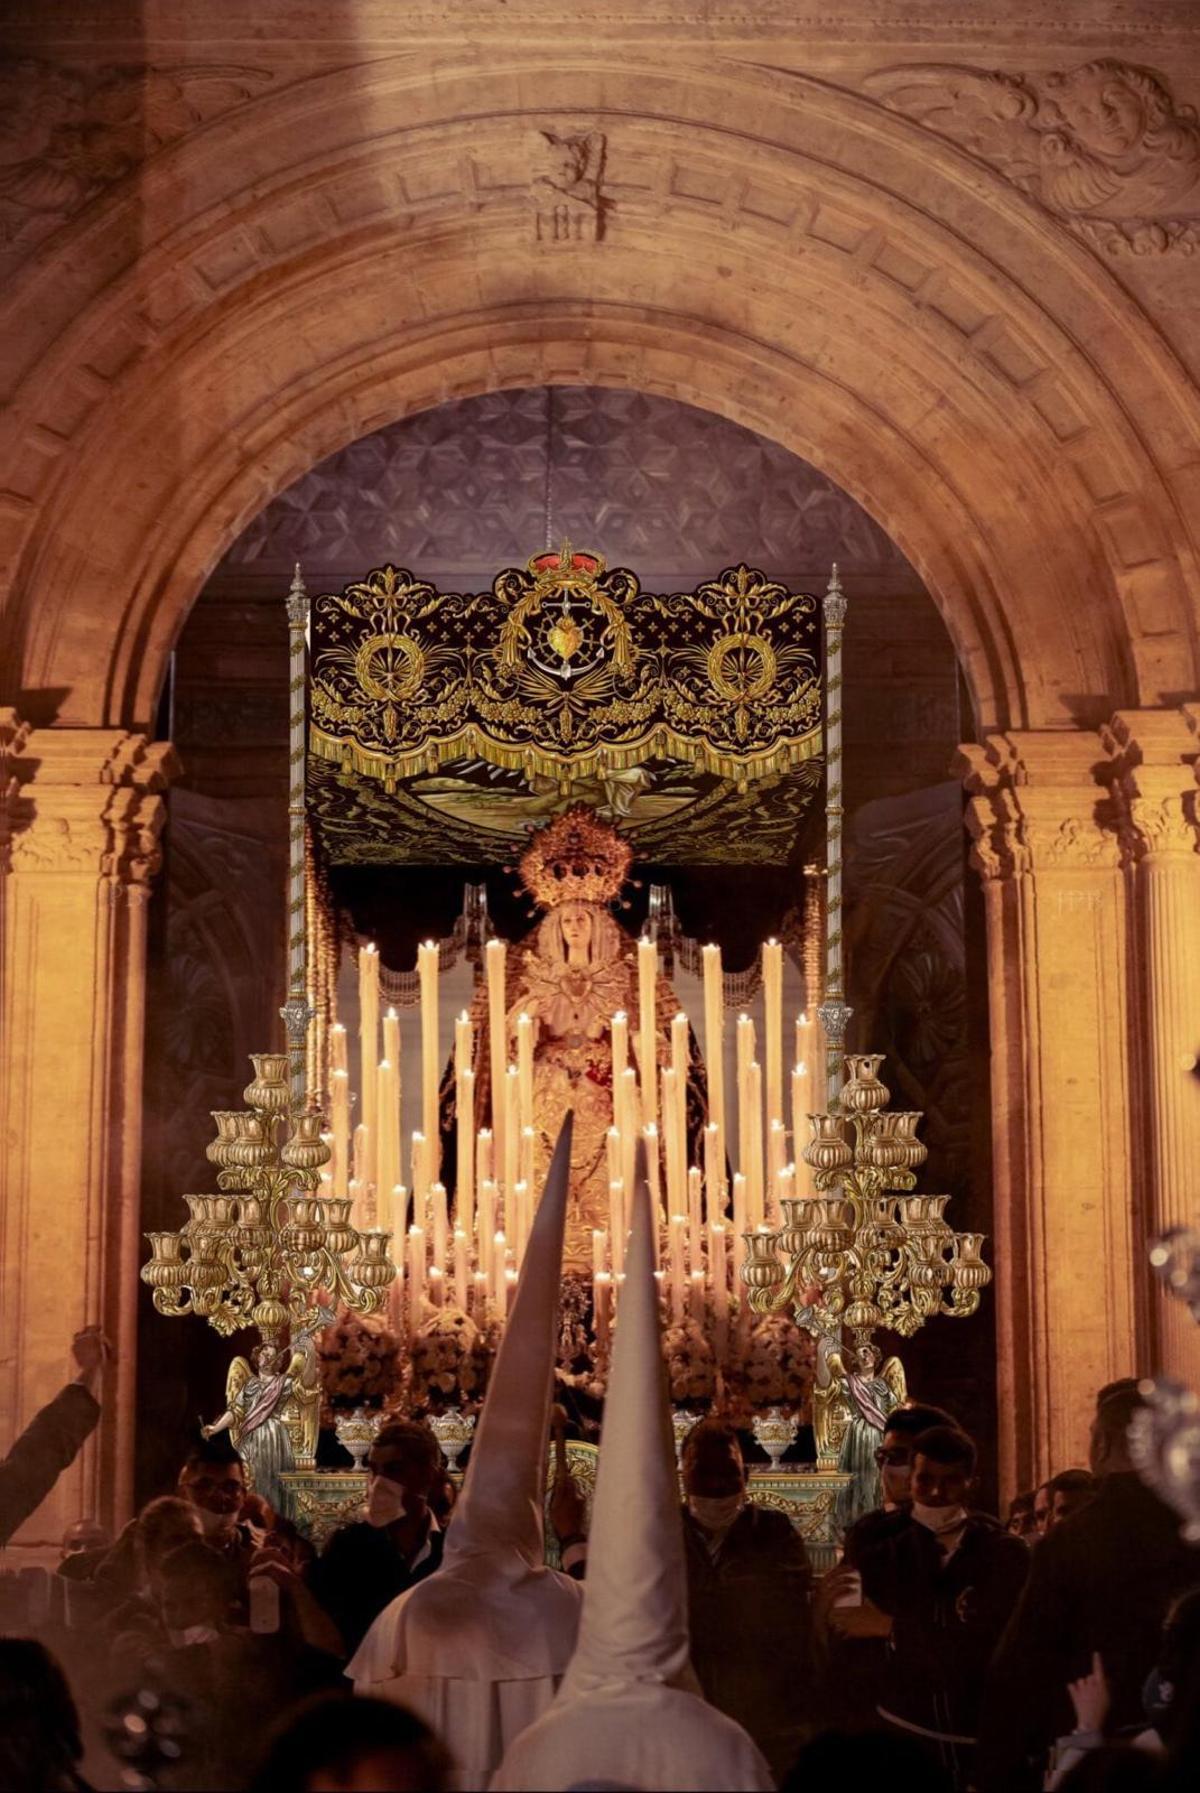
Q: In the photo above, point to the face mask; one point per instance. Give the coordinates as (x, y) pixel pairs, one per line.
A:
(938, 1519)
(211, 1524)
(716, 1513)
(385, 1502)
(191, 1634)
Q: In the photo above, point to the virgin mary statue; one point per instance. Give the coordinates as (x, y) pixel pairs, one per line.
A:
(571, 975)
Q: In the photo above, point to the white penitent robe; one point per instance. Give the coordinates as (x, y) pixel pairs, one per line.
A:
(629, 1712)
(642, 1735)
(480, 1647)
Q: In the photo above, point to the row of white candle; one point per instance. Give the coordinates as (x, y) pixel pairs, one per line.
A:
(478, 1259)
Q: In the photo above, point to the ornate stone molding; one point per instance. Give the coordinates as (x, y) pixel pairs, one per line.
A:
(69, 133)
(1105, 145)
(1034, 805)
(82, 801)
(1154, 760)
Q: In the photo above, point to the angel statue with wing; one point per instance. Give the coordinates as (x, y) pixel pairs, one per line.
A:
(272, 1407)
(853, 1396)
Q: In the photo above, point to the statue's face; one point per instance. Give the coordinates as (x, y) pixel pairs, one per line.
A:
(266, 1358)
(868, 1358)
(576, 925)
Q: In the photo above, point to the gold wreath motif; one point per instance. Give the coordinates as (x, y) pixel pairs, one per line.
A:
(745, 690)
(401, 678)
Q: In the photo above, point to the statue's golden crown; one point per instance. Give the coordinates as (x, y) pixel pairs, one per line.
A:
(575, 859)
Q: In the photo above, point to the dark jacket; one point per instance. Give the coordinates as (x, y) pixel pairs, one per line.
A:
(360, 1571)
(1101, 1581)
(751, 1627)
(947, 1617)
(45, 1448)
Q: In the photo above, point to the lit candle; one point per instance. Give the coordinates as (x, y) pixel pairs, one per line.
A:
(498, 1266)
(714, 1174)
(462, 1267)
(787, 1189)
(740, 1225)
(631, 1128)
(696, 1296)
(486, 1224)
(437, 1285)
(485, 1165)
(718, 1273)
(416, 1279)
(355, 1192)
(358, 1156)
(714, 1039)
(512, 1141)
(494, 958)
(602, 1290)
(612, 1151)
(674, 1142)
(681, 1048)
(599, 1251)
(339, 1058)
(391, 1039)
(441, 1225)
(776, 1159)
(525, 1070)
(388, 1121)
(427, 972)
(772, 979)
(525, 1156)
(677, 1246)
(339, 1109)
(510, 1289)
(756, 1180)
(464, 1044)
(616, 1224)
(368, 1040)
(620, 1047)
(695, 1222)
(420, 1174)
(464, 1188)
(520, 1222)
(650, 1136)
(647, 1028)
(479, 1298)
(745, 1057)
(801, 1132)
(397, 1218)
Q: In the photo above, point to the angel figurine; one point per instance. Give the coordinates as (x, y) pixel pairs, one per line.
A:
(273, 1407)
(853, 1397)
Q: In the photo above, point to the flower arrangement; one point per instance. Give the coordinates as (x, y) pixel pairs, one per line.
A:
(360, 1365)
(450, 1360)
(778, 1366)
(691, 1362)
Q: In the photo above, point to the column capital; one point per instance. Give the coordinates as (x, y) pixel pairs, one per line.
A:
(80, 800)
(1153, 768)
(1037, 803)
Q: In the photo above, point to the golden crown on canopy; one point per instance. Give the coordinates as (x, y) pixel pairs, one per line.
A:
(575, 859)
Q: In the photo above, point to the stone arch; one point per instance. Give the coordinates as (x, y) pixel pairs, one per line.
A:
(779, 250)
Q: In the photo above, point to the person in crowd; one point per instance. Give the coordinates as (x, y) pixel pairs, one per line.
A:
(940, 1590)
(53, 1437)
(335, 1744)
(1042, 1505)
(41, 1739)
(895, 1459)
(629, 1712)
(366, 1565)
(1070, 1489)
(213, 1480)
(749, 1585)
(1021, 1522)
(127, 1578)
(84, 1544)
(478, 1649)
(1166, 1696)
(1101, 1584)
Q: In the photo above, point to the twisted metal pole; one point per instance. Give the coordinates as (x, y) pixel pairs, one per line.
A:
(297, 1011)
(833, 1010)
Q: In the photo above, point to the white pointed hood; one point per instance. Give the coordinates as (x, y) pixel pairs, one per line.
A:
(494, 1611)
(634, 1626)
(629, 1712)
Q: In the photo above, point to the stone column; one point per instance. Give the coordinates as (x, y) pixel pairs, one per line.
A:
(78, 846)
(1064, 1251)
(1153, 771)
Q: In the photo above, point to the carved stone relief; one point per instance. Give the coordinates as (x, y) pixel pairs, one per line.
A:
(1105, 146)
(570, 203)
(65, 134)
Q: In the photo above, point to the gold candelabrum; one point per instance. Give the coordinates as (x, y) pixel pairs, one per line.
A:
(261, 1252)
(864, 1252)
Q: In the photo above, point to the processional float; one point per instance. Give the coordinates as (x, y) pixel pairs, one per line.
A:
(787, 1214)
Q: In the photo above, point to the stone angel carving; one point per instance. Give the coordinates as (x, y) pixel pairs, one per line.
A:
(1105, 140)
(853, 1395)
